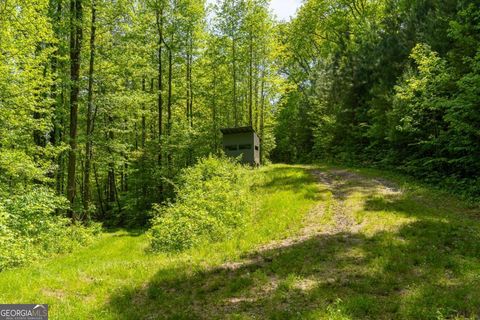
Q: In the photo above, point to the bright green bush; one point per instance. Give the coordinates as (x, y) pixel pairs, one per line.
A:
(31, 229)
(212, 199)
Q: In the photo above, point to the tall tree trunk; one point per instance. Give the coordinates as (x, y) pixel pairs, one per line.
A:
(234, 66)
(111, 185)
(144, 120)
(159, 18)
(262, 113)
(57, 131)
(99, 192)
(88, 145)
(255, 95)
(169, 102)
(144, 138)
(250, 81)
(76, 15)
(187, 106)
(61, 157)
(214, 109)
(190, 82)
(169, 106)
(56, 9)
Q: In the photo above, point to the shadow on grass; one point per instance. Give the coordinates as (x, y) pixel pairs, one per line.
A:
(288, 178)
(426, 269)
(123, 232)
(373, 278)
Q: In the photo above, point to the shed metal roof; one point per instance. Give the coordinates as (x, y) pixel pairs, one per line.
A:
(237, 130)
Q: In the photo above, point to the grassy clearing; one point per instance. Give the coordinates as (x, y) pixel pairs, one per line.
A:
(117, 278)
(368, 249)
(407, 252)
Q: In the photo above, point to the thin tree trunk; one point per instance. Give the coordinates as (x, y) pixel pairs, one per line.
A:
(159, 17)
(187, 107)
(116, 195)
(169, 106)
(111, 186)
(191, 81)
(61, 158)
(76, 12)
(250, 82)
(255, 94)
(234, 65)
(144, 121)
(262, 113)
(160, 81)
(144, 138)
(99, 192)
(214, 109)
(136, 135)
(57, 134)
(190, 91)
(111, 183)
(153, 123)
(125, 177)
(88, 145)
(169, 102)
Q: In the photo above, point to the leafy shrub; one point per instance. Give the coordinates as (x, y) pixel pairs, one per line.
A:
(30, 229)
(212, 199)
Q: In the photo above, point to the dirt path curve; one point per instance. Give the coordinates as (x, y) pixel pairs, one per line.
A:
(344, 186)
(341, 195)
(366, 245)
(340, 189)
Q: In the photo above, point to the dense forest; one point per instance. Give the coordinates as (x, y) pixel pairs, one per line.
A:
(120, 198)
(103, 104)
(388, 83)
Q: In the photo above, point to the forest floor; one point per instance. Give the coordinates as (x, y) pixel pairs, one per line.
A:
(326, 243)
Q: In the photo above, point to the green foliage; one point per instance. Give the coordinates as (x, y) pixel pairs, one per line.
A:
(30, 229)
(417, 123)
(391, 250)
(155, 85)
(133, 157)
(213, 198)
(32, 222)
(99, 282)
(390, 83)
(434, 124)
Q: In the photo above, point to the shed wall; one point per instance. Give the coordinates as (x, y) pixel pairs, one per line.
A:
(241, 141)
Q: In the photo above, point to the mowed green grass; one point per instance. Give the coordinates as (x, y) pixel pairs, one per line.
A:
(403, 251)
(117, 278)
(416, 254)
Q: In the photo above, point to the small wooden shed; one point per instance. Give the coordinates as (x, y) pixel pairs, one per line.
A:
(242, 141)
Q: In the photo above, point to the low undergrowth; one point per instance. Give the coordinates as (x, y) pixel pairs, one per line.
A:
(30, 228)
(370, 248)
(213, 198)
(117, 278)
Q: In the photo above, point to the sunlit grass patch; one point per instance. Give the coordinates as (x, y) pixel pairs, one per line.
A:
(117, 277)
(330, 250)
